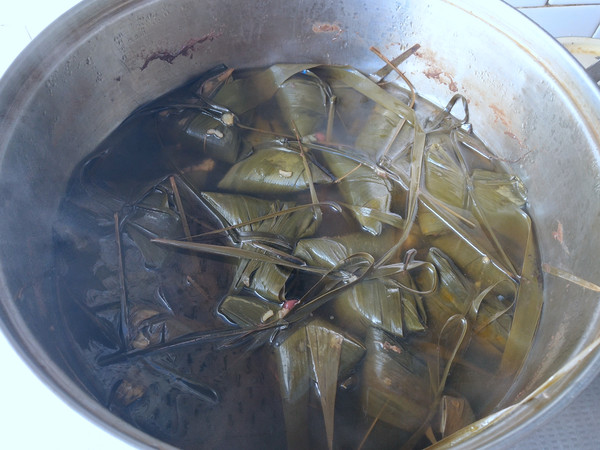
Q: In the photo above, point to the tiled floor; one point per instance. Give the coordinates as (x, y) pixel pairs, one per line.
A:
(563, 17)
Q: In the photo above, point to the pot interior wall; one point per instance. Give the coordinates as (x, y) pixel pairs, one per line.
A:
(82, 77)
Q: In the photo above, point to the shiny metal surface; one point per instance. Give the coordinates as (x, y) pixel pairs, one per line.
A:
(529, 101)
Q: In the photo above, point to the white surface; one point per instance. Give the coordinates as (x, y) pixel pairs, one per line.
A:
(517, 3)
(578, 20)
(32, 417)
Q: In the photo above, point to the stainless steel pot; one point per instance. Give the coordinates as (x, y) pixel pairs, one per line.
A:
(529, 101)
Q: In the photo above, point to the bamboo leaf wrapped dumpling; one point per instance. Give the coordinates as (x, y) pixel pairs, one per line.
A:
(325, 352)
(255, 215)
(276, 170)
(498, 190)
(302, 100)
(259, 221)
(247, 311)
(153, 217)
(247, 93)
(371, 303)
(375, 135)
(454, 413)
(444, 178)
(361, 186)
(396, 386)
(377, 302)
(190, 133)
(487, 310)
(319, 353)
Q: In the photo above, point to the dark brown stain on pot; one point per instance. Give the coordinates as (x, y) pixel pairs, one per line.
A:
(186, 50)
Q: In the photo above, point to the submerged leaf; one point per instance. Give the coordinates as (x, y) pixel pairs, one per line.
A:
(325, 352)
(362, 84)
(247, 93)
(267, 280)
(302, 99)
(395, 383)
(190, 133)
(328, 251)
(247, 311)
(468, 248)
(361, 187)
(453, 295)
(444, 178)
(375, 134)
(371, 303)
(294, 386)
(454, 414)
(377, 302)
(231, 209)
(153, 217)
(527, 311)
(271, 171)
(485, 309)
(498, 190)
(331, 356)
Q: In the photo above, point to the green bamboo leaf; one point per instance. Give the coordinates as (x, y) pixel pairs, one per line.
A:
(272, 171)
(190, 133)
(414, 188)
(507, 220)
(539, 396)
(302, 99)
(403, 276)
(247, 93)
(153, 217)
(468, 248)
(266, 280)
(395, 384)
(294, 386)
(377, 301)
(351, 108)
(478, 211)
(454, 292)
(454, 414)
(375, 134)
(248, 311)
(444, 178)
(331, 356)
(215, 137)
(361, 188)
(235, 252)
(359, 82)
(251, 214)
(345, 275)
(498, 190)
(528, 308)
(325, 352)
(451, 337)
(328, 251)
(362, 84)
(371, 303)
